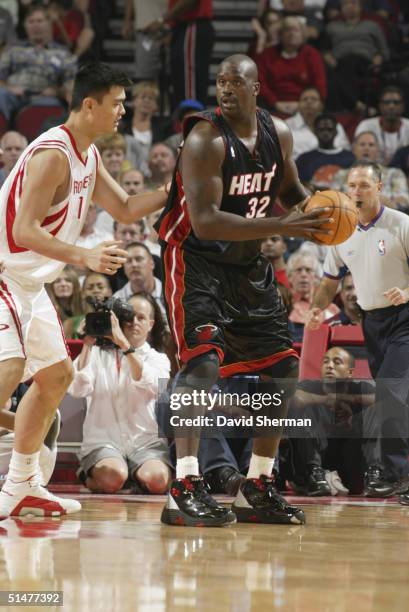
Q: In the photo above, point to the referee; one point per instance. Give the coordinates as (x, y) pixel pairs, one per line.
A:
(377, 255)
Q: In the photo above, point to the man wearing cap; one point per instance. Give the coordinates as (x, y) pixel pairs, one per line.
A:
(184, 110)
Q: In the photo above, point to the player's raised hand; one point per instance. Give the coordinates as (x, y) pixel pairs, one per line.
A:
(304, 224)
(313, 318)
(106, 257)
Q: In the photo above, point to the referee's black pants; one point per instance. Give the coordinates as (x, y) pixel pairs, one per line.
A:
(386, 332)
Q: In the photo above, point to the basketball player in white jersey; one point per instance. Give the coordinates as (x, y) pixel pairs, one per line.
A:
(43, 204)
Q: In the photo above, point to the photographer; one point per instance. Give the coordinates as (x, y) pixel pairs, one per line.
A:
(120, 381)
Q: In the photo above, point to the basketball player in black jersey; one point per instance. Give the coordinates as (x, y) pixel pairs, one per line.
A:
(223, 307)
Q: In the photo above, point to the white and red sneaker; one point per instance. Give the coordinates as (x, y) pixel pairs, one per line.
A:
(30, 498)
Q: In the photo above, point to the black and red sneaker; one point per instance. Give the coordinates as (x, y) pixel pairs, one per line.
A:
(259, 502)
(190, 504)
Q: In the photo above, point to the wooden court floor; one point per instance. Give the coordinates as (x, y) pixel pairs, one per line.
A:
(116, 556)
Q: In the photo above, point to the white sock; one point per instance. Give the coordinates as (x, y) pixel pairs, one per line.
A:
(187, 466)
(260, 465)
(22, 466)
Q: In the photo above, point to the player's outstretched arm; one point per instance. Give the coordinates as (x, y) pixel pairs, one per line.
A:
(122, 207)
(201, 168)
(48, 178)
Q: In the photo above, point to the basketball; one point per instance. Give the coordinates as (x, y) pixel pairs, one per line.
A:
(342, 209)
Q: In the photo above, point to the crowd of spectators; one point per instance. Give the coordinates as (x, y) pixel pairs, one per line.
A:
(318, 61)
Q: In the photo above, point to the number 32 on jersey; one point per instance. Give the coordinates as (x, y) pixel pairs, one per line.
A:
(257, 207)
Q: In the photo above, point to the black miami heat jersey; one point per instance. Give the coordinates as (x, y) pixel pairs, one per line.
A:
(250, 187)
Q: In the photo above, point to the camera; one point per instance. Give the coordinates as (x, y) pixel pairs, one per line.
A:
(98, 323)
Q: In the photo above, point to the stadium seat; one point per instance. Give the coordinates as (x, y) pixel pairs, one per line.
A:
(346, 335)
(31, 118)
(314, 345)
(317, 342)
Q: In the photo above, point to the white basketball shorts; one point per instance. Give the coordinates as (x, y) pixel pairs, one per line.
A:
(29, 326)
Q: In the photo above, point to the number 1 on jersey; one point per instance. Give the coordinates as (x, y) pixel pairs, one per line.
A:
(80, 206)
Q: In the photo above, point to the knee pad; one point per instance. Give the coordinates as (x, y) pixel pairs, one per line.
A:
(200, 372)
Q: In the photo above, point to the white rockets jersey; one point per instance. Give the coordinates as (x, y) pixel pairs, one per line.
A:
(64, 219)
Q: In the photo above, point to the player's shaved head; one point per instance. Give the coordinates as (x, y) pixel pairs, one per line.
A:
(237, 87)
(241, 64)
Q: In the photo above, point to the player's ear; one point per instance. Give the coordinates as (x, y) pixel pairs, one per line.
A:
(256, 87)
(380, 186)
(87, 104)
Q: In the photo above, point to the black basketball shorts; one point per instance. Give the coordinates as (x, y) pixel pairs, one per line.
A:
(234, 310)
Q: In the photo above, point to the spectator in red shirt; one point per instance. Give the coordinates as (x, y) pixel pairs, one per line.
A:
(285, 71)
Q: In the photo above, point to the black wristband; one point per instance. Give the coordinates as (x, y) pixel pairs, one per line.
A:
(129, 351)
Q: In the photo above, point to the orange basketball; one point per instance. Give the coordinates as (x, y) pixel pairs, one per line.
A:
(341, 208)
